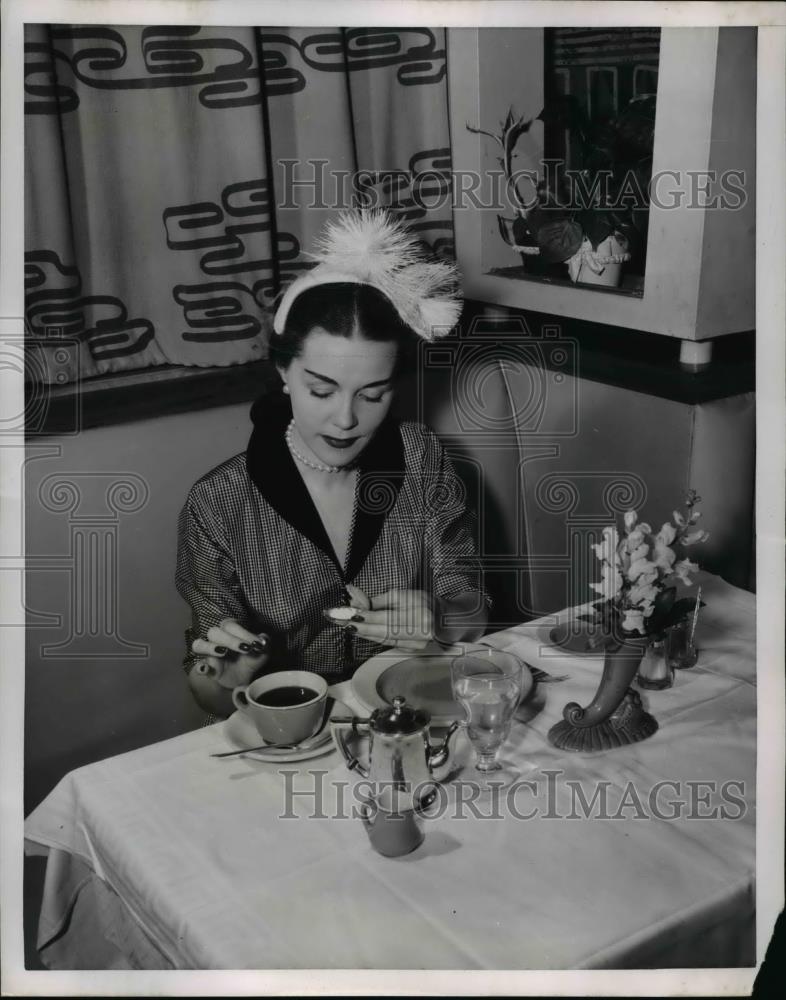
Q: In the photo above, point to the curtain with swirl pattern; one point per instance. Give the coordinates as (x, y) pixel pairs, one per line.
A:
(176, 178)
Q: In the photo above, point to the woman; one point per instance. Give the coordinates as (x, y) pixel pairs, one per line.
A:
(333, 500)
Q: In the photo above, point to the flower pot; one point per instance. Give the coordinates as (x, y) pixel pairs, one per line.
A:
(602, 266)
(615, 716)
(530, 256)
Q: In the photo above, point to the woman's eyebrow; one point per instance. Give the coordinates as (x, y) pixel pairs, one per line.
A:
(371, 385)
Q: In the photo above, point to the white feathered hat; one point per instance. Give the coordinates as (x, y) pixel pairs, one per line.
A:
(368, 247)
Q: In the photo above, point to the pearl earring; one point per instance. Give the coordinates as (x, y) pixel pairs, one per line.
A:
(286, 388)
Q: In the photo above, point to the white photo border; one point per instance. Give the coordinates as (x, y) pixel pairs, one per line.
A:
(771, 464)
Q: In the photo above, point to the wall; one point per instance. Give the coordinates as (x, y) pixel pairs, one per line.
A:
(549, 458)
(729, 237)
(86, 706)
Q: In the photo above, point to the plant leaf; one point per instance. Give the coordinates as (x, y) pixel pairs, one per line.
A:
(559, 240)
(522, 234)
(679, 611)
(507, 229)
(597, 225)
(664, 600)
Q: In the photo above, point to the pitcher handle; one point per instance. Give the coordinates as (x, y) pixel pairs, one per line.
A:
(338, 729)
(426, 801)
(368, 811)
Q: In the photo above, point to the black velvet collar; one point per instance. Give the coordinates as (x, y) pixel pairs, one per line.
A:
(273, 471)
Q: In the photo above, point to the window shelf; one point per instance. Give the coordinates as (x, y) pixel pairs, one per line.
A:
(700, 270)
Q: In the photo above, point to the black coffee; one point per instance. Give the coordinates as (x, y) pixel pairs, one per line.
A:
(285, 697)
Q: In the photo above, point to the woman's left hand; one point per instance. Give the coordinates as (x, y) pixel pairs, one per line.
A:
(400, 618)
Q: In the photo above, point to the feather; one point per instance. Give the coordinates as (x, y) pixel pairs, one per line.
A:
(369, 246)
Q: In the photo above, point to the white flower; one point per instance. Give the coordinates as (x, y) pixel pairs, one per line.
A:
(637, 537)
(682, 568)
(610, 584)
(630, 517)
(633, 541)
(667, 533)
(633, 621)
(642, 567)
(643, 594)
(695, 536)
(606, 550)
(641, 552)
(678, 518)
(694, 517)
(651, 576)
(663, 555)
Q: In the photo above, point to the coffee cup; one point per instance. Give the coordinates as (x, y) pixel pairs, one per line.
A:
(286, 707)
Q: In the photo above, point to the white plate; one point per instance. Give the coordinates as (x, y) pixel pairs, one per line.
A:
(241, 732)
(423, 679)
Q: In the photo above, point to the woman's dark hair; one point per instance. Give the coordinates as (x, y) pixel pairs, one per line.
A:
(343, 309)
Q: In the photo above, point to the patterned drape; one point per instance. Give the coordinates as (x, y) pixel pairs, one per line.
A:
(176, 175)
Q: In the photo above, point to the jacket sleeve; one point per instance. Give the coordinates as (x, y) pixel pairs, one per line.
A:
(451, 550)
(205, 576)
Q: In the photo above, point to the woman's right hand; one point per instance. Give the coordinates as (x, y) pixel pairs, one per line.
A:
(231, 655)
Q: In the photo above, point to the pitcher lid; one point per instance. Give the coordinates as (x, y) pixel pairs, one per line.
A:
(399, 718)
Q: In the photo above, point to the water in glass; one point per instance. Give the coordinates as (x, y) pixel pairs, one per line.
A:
(487, 685)
(489, 699)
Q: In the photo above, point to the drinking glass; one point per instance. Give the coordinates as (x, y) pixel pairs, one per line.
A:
(487, 684)
(655, 671)
(681, 654)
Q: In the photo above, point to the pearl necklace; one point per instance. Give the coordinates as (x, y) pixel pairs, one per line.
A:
(318, 466)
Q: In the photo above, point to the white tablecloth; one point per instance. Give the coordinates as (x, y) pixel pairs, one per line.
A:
(165, 858)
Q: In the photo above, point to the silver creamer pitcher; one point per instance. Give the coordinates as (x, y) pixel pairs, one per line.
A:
(401, 757)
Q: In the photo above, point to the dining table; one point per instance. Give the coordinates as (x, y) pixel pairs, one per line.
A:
(636, 857)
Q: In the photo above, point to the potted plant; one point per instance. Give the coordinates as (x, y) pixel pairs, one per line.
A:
(593, 217)
(636, 569)
(638, 603)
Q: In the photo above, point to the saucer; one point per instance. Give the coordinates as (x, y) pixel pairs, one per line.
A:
(573, 636)
(241, 732)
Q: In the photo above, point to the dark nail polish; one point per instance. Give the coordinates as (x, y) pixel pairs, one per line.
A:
(351, 628)
(244, 647)
(220, 650)
(357, 618)
(258, 647)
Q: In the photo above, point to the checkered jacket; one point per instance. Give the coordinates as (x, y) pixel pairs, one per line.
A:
(252, 546)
